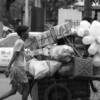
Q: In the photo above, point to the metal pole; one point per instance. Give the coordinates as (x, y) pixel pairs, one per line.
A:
(26, 19)
(37, 19)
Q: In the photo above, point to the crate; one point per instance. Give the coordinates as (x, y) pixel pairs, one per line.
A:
(83, 67)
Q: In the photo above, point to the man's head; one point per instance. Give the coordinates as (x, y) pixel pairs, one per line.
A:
(22, 31)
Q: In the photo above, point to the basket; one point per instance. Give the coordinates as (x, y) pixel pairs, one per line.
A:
(83, 67)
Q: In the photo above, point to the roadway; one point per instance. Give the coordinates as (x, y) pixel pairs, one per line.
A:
(5, 86)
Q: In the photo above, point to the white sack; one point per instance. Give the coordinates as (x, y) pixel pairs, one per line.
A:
(40, 69)
(61, 51)
(53, 66)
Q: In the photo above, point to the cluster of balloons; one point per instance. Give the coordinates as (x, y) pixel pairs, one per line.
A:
(90, 33)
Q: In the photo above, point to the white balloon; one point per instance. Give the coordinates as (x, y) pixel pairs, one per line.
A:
(80, 32)
(86, 32)
(88, 40)
(85, 24)
(95, 23)
(98, 49)
(93, 49)
(96, 60)
(95, 29)
(98, 40)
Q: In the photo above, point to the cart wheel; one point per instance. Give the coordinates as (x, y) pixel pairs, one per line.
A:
(57, 92)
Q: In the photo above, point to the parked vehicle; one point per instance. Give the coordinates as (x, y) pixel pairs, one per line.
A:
(5, 56)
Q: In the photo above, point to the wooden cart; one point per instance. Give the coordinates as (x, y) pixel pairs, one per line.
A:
(76, 82)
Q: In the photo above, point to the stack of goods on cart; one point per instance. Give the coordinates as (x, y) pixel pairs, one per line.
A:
(93, 40)
(50, 37)
(52, 62)
(90, 37)
(66, 50)
(49, 57)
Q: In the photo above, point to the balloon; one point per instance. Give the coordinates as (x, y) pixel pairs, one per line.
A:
(90, 34)
(84, 24)
(98, 40)
(95, 29)
(95, 23)
(93, 49)
(82, 32)
(86, 32)
(96, 60)
(88, 40)
(98, 49)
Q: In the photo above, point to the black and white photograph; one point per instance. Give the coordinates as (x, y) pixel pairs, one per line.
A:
(49, 49)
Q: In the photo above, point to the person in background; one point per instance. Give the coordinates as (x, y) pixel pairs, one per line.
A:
(17, 67)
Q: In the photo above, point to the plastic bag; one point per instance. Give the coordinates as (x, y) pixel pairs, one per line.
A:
(53, 66)
(61, 51)
(38, 69)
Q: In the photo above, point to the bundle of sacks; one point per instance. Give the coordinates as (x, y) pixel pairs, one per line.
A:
(60, 52)
(91, 37)
(42, 68)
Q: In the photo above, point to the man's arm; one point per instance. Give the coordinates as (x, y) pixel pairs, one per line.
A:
(13, 59)
(17, 48)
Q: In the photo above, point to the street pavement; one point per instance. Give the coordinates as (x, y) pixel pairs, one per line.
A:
(5, 86)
